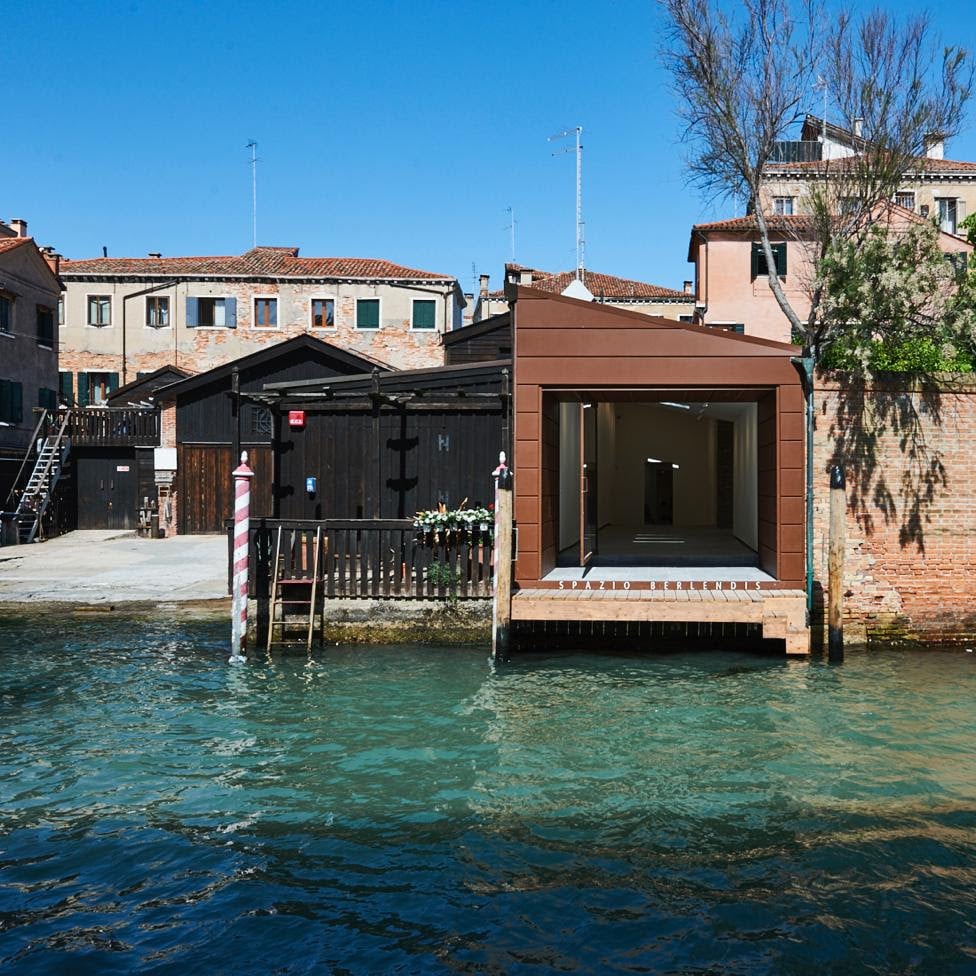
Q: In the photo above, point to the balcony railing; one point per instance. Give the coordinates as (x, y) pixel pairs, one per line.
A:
(110, 426)
(796, 152)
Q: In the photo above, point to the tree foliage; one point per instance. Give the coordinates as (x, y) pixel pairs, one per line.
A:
(746, 73)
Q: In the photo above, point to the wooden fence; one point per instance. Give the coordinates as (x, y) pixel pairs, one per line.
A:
(110, 426)
(367, 558)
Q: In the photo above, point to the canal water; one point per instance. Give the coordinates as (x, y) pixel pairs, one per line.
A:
(408, 810)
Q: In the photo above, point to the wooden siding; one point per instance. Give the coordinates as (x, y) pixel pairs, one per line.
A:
(480, 342)
(561, 344)
(206, 487)
(390, 464)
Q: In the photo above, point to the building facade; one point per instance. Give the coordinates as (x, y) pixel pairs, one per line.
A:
(29, 292)
(636, 296)
(123, 317)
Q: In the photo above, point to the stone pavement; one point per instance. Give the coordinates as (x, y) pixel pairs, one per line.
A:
(98, 567)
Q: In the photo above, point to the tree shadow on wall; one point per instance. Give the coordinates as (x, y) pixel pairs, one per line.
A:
(882, 439)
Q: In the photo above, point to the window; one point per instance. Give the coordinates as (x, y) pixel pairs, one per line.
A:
(759, 260)
(783, 206)
(850, 205)
(323, 313)
(211, 313)
(260, 421)
(157, 311)
(6, 314)
(424, 311)
(686, 318)
(367, 313)
(906, 199)
(61, 310)
(99, 310)
(947, 214)
(959, 260)
(47, 399)
(45, 326)
(11, 402)
(266, 313)
(66, 386)
(94, 388)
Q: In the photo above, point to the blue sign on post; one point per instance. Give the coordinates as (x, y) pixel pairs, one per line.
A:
(310, 485)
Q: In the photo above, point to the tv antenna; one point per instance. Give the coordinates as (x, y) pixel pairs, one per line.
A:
(512, 222)
(253, 146)
(565, 134)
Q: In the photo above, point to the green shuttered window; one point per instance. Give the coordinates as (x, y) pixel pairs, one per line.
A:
(424, 311)
(11, 402)
(45, 326)
(368, 313)
(759, 260)
(66, 386)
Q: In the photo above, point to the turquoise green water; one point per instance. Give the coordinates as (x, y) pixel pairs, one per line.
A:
(407, 810)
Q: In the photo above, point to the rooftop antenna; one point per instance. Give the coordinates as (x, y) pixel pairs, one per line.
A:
(511, 228)
(566, 133)
(253, 146)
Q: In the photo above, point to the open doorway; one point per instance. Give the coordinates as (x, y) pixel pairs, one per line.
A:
(658, 480)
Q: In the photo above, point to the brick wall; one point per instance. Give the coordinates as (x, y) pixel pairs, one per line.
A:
(909, 458)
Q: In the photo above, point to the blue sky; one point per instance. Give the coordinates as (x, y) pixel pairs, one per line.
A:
(394, 130)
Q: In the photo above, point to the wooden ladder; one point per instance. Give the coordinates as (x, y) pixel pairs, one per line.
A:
(290, 574)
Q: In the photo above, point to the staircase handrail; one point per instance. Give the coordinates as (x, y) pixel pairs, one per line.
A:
(42, 420)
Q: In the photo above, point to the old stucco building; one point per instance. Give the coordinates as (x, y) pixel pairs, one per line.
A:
(29, 290)
(122, 317)
(604, 289)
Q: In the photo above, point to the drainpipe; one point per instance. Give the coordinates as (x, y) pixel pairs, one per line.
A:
(805, 365)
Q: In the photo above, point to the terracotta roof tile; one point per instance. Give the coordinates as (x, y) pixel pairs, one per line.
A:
(922, 166)
(776, 223)
(9, 243)
(259, 261)
(600, 285)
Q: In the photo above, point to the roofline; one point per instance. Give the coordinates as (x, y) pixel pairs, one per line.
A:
(30, 240)
(162, 369)
(490, 324)
(657, 321)
(70, 275)
(259, 356)
(392, 375)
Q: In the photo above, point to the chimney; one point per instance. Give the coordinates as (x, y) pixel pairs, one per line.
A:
(483, 285)
(686, 287)
(53, 259)
(19, 226)
(858, 127)
(934, 146)
(155, 254)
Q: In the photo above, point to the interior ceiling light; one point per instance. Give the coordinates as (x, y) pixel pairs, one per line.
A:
(675, 406)
(677, 467)
(653, 460)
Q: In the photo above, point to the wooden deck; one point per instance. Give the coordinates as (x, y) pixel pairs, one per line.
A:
(782, 613)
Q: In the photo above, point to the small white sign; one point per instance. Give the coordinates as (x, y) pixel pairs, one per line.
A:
(122, 467)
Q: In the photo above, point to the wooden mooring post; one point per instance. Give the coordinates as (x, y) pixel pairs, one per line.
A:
(242, 514)
(501, 622)
(835, 566)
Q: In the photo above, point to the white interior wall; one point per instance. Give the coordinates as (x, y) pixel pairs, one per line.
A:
(745, 517)
(646, 430)
(569, 465)
(606, 422)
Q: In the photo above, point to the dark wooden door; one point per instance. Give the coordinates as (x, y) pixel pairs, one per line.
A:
(206, 485)
(108, 489)
(588, 483)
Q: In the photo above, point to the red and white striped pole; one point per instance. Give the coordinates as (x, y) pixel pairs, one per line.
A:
(242, 512)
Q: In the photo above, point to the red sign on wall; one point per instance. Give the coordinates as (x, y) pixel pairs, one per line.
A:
(296, 419)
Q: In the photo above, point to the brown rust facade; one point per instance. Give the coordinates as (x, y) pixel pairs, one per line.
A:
(565, 350)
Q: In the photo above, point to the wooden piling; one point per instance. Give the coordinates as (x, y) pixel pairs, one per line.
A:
(835, 566)
(502, 591)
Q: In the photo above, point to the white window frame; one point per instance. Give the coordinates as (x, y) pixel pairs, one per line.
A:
(955, 213)
(379, 317)
(169, 314)
(906, 193)
(335, 313)
(111, 309)
(12, 333)
(779, 206)
(413, 302)
(216, 298)
(254, 313)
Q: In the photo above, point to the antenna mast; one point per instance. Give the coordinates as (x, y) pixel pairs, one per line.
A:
(253, 146)
(511, 227)
(580, 243)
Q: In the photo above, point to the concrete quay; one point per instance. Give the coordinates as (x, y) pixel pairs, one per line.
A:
(106, 569)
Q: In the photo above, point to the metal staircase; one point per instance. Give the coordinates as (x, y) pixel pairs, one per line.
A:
(51, 456)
